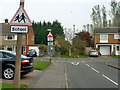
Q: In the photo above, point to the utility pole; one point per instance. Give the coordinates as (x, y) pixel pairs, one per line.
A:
(17, 74)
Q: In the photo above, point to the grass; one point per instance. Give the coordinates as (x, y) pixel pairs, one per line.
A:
(75, 56)
(41, 65)
(116, 56)
(10, 85)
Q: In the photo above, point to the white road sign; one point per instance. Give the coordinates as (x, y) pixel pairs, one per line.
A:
(19, 29)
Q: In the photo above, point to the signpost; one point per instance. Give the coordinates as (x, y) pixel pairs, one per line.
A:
(50, 43)
(19, 24)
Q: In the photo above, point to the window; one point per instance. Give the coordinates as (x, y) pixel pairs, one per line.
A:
(10, 48)
(104, 38)
(10, 37)
(116, 36)
(7, 56)
(24, 49)
(118, 48)
(1, 55)
(31, 37)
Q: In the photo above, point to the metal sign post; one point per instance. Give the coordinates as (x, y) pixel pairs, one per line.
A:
(19, 24)
(50, 43)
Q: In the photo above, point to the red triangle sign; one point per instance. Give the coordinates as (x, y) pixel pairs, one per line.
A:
(50, 34)
(20, 18)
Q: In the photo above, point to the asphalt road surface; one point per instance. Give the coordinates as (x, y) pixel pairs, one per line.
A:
(91, 74)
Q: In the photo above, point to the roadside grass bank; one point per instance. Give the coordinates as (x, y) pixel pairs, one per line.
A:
(41, 65)
(10, 86)
(116, 56)
(72, 56)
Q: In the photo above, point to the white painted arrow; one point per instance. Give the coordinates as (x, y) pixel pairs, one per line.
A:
(75, 63)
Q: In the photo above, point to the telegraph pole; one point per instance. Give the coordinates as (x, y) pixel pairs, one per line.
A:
(17, 74)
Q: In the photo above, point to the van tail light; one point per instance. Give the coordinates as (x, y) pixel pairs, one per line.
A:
(25, 61)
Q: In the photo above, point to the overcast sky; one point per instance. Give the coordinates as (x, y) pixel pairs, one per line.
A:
(68, 12)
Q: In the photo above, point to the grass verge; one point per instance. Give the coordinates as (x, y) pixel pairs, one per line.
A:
(10, 86)
(75, 56)
(41, 65)
(116, 56)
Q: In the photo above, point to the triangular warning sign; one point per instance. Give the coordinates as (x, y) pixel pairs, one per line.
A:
(20, 18)
(50, 34)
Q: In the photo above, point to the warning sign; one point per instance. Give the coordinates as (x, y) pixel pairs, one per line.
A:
(20, 18)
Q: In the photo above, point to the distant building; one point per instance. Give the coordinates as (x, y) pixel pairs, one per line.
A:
(107, 41)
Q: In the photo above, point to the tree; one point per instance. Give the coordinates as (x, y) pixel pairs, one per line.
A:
(64, 45)
(42, 48)
(78, 46)
(85, 36)
(40, 30)
(104, 17)
(96, 16)
(115, 13)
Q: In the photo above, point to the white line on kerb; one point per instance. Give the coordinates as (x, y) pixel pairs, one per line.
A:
(95, 70)
(110, 80)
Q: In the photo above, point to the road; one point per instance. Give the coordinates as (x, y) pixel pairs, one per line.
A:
(91, 74)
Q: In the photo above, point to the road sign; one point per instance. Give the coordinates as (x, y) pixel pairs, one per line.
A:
(56, 42)
(50, 38)
(21, 18)
(19, 29)
(50, 34)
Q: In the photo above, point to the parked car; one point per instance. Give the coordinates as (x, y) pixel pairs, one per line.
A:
(93, 53)
(32, 53)
(7, 59)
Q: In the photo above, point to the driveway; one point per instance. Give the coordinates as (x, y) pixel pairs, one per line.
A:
(24, 79)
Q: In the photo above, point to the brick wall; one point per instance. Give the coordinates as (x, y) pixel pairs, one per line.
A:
(29, 36)
(97, 38)
(111, 39)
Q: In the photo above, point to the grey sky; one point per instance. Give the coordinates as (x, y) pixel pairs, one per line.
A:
(68, 12)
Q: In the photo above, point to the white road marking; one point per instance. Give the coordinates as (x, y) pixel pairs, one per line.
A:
(66, 76)
(75, 63)
(110, 80)
(102, 75)
(87, 65)
(94, 69)
(82, 61)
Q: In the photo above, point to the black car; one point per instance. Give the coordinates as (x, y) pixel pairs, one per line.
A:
(7, 60)
(32, 53)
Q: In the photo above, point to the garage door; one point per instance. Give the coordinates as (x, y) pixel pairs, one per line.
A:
(35, 48)
(105, 50)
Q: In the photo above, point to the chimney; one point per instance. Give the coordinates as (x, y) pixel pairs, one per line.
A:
(6, 20)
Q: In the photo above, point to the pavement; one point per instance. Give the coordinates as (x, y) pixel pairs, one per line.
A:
(52, 77)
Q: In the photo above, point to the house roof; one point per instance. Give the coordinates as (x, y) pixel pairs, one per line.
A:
(108, 30)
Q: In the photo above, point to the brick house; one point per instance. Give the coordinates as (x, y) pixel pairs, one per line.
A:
(9, 40)
(107, 41)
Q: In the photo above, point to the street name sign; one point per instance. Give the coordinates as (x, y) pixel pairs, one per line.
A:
(19, 29)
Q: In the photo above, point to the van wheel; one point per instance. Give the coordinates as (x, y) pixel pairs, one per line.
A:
(8, 73)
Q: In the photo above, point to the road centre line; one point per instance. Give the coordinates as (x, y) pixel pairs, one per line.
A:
(110, 80)
(87, 65)
(102, 75)
(95, 70)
